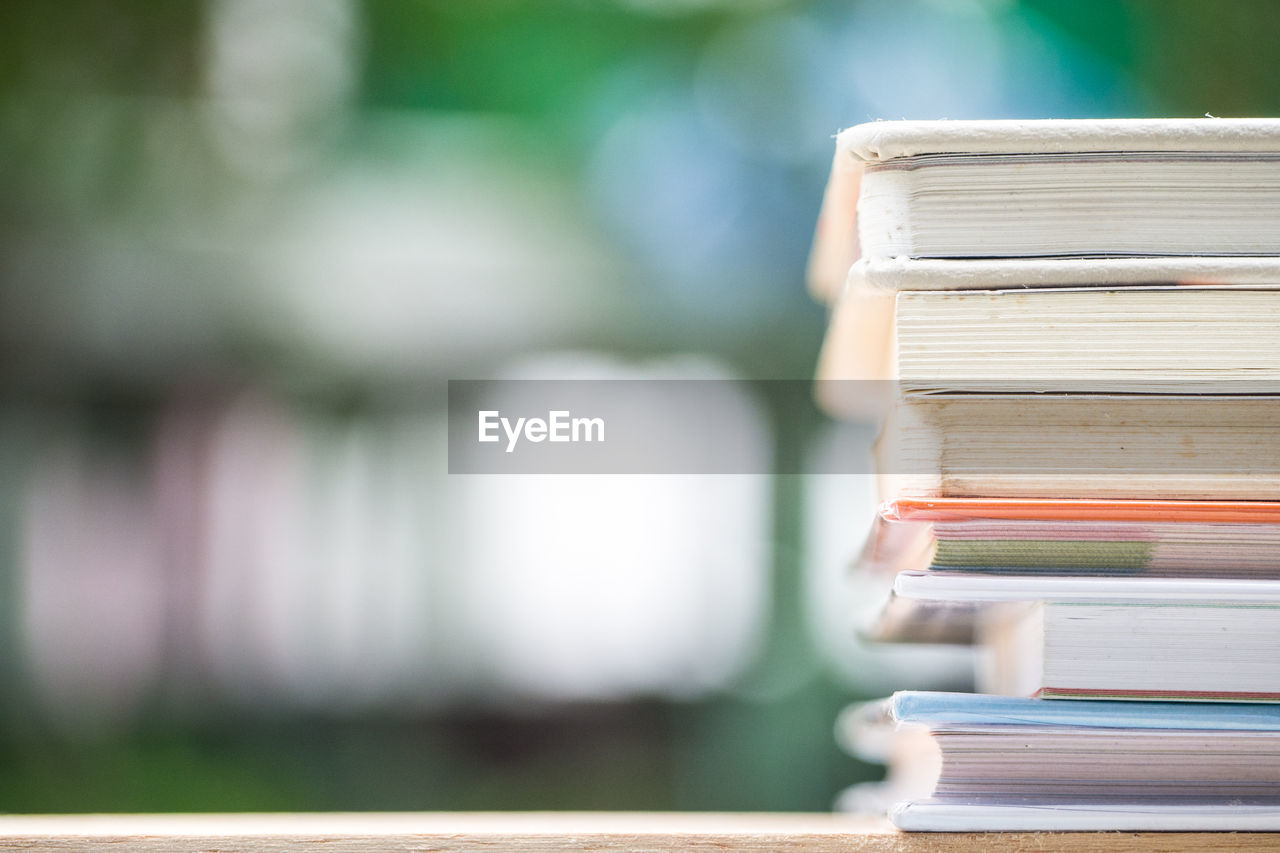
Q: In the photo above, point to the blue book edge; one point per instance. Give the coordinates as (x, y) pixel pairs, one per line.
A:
(937, 710)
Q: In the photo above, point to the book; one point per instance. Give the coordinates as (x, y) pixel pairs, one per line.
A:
(861, 339)
(957, 607)
(1009, 763)
(1098, 637)
(1138, 339)
(1149, 340)
(870, 154)
(1121, 446)
(1076, 536)
(1159, 650)
(1067, 188)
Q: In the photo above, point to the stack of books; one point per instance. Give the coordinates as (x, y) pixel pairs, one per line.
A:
(1070, 332)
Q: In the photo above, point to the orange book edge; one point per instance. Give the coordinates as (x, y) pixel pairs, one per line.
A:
(1081, 509)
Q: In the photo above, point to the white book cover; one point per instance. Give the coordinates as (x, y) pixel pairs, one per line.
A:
(836, 244)
(934, 816)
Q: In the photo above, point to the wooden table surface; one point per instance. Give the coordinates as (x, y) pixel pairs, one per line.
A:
(558, 831)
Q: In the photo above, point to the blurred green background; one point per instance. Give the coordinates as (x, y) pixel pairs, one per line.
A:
(244, 243)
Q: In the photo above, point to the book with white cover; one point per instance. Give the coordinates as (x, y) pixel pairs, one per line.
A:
(1122, 637)
(1026, 445)
(1161, 340)
(860, 346)
(1158, 650)
(864, 334)
(919, 605)
(967, 191)
(1120, 203)
(1029, 764)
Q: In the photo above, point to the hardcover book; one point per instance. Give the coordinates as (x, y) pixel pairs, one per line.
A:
(1029, 764)
(1077, 536)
